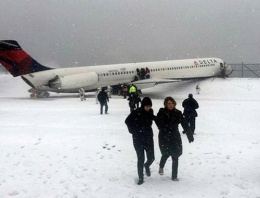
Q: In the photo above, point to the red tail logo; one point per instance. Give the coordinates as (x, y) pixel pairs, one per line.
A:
(17, 61)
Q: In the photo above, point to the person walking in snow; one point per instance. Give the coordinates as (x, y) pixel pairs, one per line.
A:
(198, 88)
(170, 142)
(103, 100)
(139, 123)
(131, 103)
(82, 94)
(109, 89)
(132, 89)
(190, 105)
(137, 100)
(124, 90)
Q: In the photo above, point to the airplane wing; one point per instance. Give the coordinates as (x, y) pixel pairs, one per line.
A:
(146, 83)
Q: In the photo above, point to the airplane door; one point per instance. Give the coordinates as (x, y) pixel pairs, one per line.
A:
(222, 70)
(221, 66)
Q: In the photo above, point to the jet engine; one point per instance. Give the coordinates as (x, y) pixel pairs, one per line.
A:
(74, 81)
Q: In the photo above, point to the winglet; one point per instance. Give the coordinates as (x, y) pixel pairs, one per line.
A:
(16, 60)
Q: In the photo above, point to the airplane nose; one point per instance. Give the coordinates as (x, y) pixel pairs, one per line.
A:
(225, 70)
(228, 69)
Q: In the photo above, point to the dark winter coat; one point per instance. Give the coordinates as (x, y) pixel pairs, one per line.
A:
(190, 105)
(139, 123)
(102, 97)
(170, 142)
(131, 101)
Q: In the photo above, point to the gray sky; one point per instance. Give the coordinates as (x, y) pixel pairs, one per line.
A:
(93, 32)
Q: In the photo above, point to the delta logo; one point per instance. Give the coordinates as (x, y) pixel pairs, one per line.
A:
(207, 61)
(196, 63)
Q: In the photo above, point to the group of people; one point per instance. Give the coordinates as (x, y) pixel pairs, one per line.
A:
(103, 98)
(139, 123)
(143, 73)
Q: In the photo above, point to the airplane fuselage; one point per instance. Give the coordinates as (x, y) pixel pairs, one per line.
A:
(71, 79)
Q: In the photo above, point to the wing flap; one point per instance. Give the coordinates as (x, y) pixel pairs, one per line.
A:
(146, 83)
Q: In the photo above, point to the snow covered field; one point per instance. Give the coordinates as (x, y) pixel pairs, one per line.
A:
(61, 147)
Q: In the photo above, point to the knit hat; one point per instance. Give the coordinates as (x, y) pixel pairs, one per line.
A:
(146, 101)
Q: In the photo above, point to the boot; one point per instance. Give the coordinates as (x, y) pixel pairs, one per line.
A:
(161, 171)
(147, 171)
(175, 179)
(141, 181)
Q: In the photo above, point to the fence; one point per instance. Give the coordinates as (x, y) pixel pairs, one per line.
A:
(242, 70)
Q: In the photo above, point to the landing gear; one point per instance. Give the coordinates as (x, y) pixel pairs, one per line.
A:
(32, 95)
(35, 93)
(43, 94)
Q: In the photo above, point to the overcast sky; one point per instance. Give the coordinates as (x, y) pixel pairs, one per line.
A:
(93, 32)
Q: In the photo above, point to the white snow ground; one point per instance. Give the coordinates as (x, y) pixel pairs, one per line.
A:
(62, 147)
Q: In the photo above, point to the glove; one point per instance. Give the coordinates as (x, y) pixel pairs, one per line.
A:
(190, 138)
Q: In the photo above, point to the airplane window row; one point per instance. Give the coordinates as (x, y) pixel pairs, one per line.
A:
(153, 70)
(181, 67)
(116, 73)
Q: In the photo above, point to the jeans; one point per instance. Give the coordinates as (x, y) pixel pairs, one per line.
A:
(191, 122)
(101, 107)
(175, 163)
(142, 146)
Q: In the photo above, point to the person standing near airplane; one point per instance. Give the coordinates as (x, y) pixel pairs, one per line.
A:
(198, 88)
(190, 105)
(147, 72)
(82, 94)
(134, 100)
(132, 89)
(131, 103)
(137, 100)
(103, 100)
(109, 89)
(139, 123)
(124, 90)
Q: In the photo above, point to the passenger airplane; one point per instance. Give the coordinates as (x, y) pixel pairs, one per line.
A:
(69, 80)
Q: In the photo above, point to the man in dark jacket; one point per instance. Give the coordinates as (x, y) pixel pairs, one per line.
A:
(170, 143)
(103, 99)
(139, 123)
(131, 103)
(190, 105)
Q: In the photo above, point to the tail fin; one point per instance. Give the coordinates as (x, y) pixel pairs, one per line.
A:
(17, 61)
